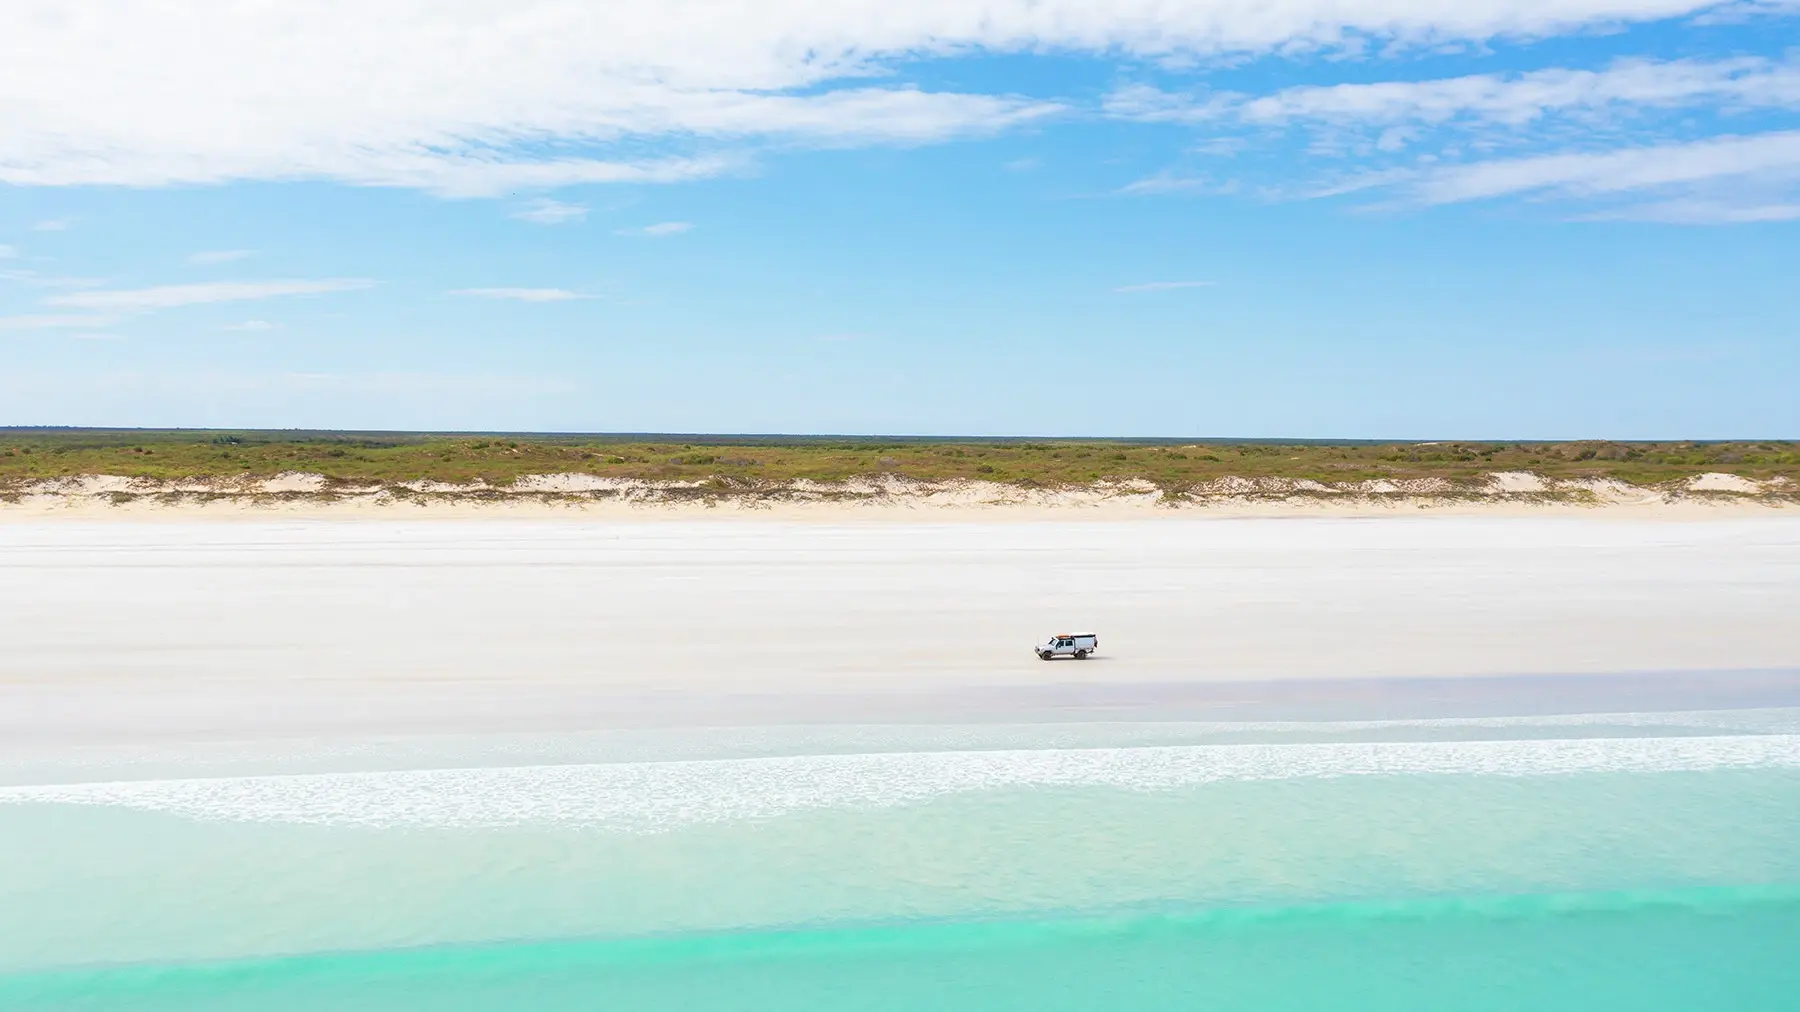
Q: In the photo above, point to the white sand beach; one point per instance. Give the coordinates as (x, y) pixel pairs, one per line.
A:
(124, 631)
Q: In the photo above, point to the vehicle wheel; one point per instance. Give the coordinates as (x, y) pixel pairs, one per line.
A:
(1043, 656)
(1081, 655)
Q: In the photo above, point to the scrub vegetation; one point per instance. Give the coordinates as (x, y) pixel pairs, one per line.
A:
(27, 454)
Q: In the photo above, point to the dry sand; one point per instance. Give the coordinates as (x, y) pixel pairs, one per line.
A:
(117, 631)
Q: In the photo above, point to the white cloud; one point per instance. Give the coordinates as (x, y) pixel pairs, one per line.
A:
(253, 326)
(219, 256)
(53, 225)
(450, 175)
(53, 321)
(551, 212)
(1366, 127)
(1743, 11)
(1765, 159)
(658, 230)
(523, 294)
(1161, 286)
(144, 93)
(35, 280)
(1718, 181)
(1219, 147)
(170, 296)
(1521, 98)
(1148, 104)
(1701, 212)
(1506, 99)
(1360, 182)
(8, 252)
(1170, 181)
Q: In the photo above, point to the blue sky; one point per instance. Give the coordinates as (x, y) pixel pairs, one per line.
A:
(1374, 218)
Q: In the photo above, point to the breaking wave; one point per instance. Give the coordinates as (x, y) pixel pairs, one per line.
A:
(648, 797)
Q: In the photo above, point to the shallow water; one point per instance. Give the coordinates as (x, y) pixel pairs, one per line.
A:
(1640, 861)
(1666, 950)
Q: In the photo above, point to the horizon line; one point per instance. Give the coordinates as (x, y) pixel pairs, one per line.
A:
(647, 436)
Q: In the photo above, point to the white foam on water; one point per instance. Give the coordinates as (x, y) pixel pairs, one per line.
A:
(1773, 719)
(642, 797)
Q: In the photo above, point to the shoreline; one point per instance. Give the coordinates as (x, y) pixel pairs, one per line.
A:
(294, 715)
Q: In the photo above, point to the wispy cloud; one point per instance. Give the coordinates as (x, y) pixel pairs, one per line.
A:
(1171, 181)
(523, 294)
(1522, 98)
(577, 93)
(1507, 99)
(454, 174)
(1161, 286)
(1148, 104)
(8, 252)
(1700, 212)
(569, 94)
(566, 84)
(1537, 134)
(551, 212)
(52, 225)
(1770, 158)
(1360, 182)
(658, 230)
(1743, 11)
(171, 296)
(54, 321)
(1220, 147)
(252, 326)
(219, 256)
(34, 279)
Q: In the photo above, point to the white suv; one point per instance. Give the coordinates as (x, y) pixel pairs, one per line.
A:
(1076, 645)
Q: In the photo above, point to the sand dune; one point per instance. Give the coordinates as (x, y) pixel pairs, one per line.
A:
(301, 494)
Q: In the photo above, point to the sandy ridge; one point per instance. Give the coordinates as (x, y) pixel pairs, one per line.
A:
(303, 493)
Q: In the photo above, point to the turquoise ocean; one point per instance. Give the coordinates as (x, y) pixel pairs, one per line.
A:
(1638, 861)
